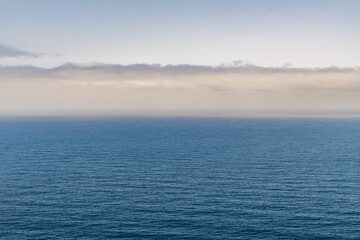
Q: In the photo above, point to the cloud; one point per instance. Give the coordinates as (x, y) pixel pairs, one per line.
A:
(9, 52)
(154, 86)
(171, 70)
(231, 77)
(183, 69)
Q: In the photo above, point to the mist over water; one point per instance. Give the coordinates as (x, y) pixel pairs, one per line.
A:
(179, 178)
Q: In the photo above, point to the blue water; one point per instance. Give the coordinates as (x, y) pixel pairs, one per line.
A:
(63, 178)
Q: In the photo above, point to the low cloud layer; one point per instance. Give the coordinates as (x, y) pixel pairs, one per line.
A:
(186, 77)
(9, 52)
(184, 69)
(185, 87)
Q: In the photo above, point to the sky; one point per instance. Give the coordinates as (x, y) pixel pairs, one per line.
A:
(257, 54)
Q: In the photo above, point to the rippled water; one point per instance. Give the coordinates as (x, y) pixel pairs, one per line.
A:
(179, 178)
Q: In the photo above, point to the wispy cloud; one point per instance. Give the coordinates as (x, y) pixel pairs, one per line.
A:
(10, 52)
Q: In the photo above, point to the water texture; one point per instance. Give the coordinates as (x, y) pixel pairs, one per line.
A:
(174, 178)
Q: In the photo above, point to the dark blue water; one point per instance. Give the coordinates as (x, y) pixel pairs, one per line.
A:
(179, 179)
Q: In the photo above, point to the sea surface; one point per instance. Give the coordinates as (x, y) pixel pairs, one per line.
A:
(179, 178)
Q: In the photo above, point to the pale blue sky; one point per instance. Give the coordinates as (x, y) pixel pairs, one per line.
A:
(306, 33)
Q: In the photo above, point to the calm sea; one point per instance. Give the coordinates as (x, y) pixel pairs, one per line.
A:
(174, 178)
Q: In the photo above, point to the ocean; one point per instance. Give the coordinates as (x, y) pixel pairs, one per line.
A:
(179, 178)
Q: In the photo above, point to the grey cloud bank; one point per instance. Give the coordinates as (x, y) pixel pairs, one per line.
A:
(112, 88)
(166, 69)
(234, 76)
(191, 69)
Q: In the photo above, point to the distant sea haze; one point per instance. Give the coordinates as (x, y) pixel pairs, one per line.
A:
(113, 87)
(171, 113)
(179, 178)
